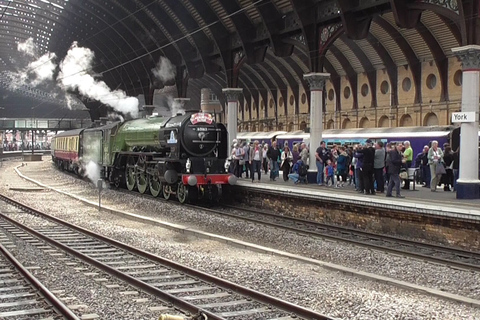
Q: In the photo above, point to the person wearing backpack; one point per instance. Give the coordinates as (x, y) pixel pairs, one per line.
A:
(299, 172)
(342, 167)
(273, 154)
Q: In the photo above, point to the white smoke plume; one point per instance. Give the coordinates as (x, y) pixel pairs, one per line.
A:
(37, 71)
(73, 76)
(28, 47)
(43, 68)
(92, 171)
(175, 106)
(164, 70)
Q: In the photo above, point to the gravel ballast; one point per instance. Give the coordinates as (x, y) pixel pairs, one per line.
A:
(332, 293)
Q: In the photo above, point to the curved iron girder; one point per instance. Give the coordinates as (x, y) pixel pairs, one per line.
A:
(439, 56)
(129, 30)
(247, 86)
(404, 15)
(282, 84)
(470, 24)
(389, 64)
(268, 81)
(407, 50)
(356, 27)
(258, 85)
(451, 19)
(337, 85)
(272, 19)
(76, 13)
(325, 46)
(286, 69)
(204, 45)
(221, 37)
(216, 86)
(306, 12)
(187, 50)
(367, 66)
(351, 74)
(245, 30)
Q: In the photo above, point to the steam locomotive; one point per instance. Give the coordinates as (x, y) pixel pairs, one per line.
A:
(183, 156)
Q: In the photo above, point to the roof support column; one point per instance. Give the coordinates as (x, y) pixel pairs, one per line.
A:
(232, 95)
(316, 81)
(468, 184)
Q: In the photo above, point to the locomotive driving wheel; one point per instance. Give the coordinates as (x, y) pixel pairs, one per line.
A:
(182, 192)
(130, 179)
(141, 174)
(167, 191)
(155, 186)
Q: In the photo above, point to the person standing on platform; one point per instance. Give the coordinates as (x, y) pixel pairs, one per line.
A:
(256, 157)
(394, 163)
(448, 159)
(265, 159)
(295, 154)
(274, 155)
(367, 167)
(379, 166)
(343, 164)
(246, 152)
(456, 162)
(421, 162)
(304, 154)
(321, 157)
(408, 155)
(435, 157)
(287, 159)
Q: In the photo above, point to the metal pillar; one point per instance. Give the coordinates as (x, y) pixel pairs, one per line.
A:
(232, 95)
(468, 184)
(316, 81)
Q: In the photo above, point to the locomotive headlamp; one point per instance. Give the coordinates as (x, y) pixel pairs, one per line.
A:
(188, 165)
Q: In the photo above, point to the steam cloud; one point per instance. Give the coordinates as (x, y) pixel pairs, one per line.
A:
(37, 71)
(175, 106)
(73, 76)
(92, 171)
(164, 70)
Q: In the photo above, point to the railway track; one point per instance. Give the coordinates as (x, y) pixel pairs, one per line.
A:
(424, 251)
(192, 291)
(22, 296)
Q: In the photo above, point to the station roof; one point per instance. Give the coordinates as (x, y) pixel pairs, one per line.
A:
(269, 44)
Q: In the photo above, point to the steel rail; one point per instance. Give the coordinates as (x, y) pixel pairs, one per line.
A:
(49, 296)
(442, 249)
(227, 285)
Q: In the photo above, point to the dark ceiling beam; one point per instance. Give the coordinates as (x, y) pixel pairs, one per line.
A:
(439, 56)
(389, 64)
(449, 17)
(351, 74)
(258, 87)
(405, 17)
(266, 78)
(306, 11)
(367, 66)
(204, 45)
(249, 90)
(187, 50)
(469, 13)
(356, 25)
(245, 30)
(222, 38)
(272, 19)
(333, 35)
(407, 50)
(337, 85)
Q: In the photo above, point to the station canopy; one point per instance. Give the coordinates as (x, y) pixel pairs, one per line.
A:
(58, 56)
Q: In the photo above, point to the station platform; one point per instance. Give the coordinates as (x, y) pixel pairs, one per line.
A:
(424, 214)
(421, 199)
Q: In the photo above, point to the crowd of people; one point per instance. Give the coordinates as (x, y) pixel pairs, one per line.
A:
(370, 167)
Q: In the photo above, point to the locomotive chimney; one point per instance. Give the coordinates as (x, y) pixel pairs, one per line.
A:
(184, 104)
(103, 120)
(148, 109)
